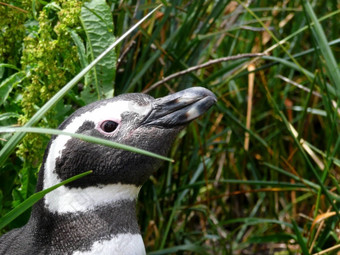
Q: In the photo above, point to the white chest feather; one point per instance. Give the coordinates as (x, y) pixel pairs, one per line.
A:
(122, 244)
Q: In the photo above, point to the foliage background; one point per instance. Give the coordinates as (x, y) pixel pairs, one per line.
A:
(258, 174)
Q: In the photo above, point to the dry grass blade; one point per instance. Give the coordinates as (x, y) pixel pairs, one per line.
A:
(206, 64)
(251, 79)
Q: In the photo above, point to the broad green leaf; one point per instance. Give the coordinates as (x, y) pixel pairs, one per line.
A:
(80, 48)
(28, 183)
(7, 85)
(21, 208)
(97, 22)
(2, 68)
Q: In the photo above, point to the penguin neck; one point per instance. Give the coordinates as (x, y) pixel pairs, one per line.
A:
(67, 199)
(87, 219)
(116, 201)
(72, 200)
(104, 227)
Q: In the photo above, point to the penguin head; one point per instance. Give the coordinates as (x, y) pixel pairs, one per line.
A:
(133, 119)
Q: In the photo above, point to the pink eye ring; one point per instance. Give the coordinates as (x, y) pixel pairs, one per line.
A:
(108, 126)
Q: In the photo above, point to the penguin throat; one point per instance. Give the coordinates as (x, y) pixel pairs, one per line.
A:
(76, 199)
(104, 228)
(69, 200)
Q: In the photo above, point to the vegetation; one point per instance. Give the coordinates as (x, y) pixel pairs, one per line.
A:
(258, 174)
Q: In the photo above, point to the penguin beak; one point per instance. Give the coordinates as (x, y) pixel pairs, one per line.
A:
(180, 108)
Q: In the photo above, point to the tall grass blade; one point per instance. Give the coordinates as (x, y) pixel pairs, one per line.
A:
(300, 239)
(82, 137)
(331, 65)
(301, 149)
(21, 208)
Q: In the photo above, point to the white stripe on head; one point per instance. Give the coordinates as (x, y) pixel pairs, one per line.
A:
(65, 199)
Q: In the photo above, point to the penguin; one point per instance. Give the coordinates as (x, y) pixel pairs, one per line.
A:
(96, 214)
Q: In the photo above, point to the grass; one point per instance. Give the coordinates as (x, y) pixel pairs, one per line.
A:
(246, 180)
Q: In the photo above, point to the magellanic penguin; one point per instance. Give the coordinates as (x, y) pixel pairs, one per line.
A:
(97, 214)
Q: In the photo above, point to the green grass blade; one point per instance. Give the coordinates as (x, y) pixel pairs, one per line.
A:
(296, 178)
(179, 201)
(21, 208)
(255, 221)
(304, 154)
(300, 239)
(16, 138)
(279, 43)
(329, 60)
(197, 249)
(276, 238)
(82, 137)
(292, 65)
(239, 123)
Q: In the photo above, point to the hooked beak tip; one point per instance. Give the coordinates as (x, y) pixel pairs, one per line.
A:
(180, 108)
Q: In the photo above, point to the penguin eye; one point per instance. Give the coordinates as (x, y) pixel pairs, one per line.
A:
(109, 126)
